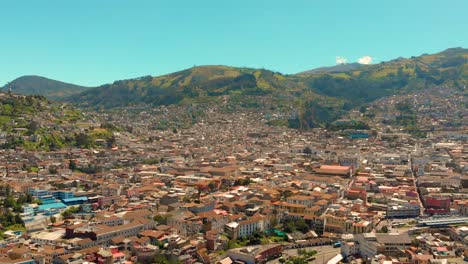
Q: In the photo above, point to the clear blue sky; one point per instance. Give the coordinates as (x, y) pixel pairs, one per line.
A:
(92, 42)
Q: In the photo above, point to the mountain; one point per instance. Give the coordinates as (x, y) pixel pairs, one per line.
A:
(315, 98)
(37, 85)
(401, 75)
(203, 82)
(338, 68)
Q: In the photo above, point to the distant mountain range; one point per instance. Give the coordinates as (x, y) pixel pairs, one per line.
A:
(319, 95)
(37, 85)
(337, 68)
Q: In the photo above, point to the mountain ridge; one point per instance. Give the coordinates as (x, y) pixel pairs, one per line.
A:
(314, 98)
(39, 85)
(337, 68)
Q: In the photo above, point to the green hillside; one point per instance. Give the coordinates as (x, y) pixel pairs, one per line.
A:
(197, 82)
(371, 82)
(317, 98)
(35, 123)
(37, 85)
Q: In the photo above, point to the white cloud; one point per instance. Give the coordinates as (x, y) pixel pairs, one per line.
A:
(365, 60)
(341, 60)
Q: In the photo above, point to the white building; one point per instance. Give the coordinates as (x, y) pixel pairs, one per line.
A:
(406, 210)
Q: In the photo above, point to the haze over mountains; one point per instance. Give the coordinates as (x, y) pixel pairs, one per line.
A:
(319, 95)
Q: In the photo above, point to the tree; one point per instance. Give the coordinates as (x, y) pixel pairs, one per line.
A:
(286, 193)
(18, 219)
(160, 259)
(232, 244)
(32, 127)
(384, 229)
(363, 109)
(273, 221)
(295, 225)
(83, 140)
(161, 219)
(53, 169)
(70, 212)
(110, 141)
(212, 186)
(72, 165)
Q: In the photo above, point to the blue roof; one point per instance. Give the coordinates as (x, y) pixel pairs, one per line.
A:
(75, 199)
(51, 206)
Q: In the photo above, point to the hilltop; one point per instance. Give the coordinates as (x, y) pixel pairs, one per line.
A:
(37, 85)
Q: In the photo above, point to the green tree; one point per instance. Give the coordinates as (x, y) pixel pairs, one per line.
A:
(110, 141)
(72, 165)
(212, 186)
(53, 169)
(384, 229)
(83, 140)
(161, 219)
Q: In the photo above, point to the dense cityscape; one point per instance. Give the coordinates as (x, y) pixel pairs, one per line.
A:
(232, 189)
(234, 132)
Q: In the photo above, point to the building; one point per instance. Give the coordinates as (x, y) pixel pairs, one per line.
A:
(37, 192)
(308, 201)
(372, 244)
(406, 210)
(62, 194)
(334, 224)
(50, 205)
(255, 254)
(344, 171)
(358, 227)
(75, 200)
(29, 209)
(463, 208)
(17, 261)
(437, 205)
(48, 238)
(349, 248)
(105, 201)
(103, 234)
(247, 227)
(224, 172)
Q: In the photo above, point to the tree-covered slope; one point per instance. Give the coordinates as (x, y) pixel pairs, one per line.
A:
(371, 82)
(35, 123)
(197, 82)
